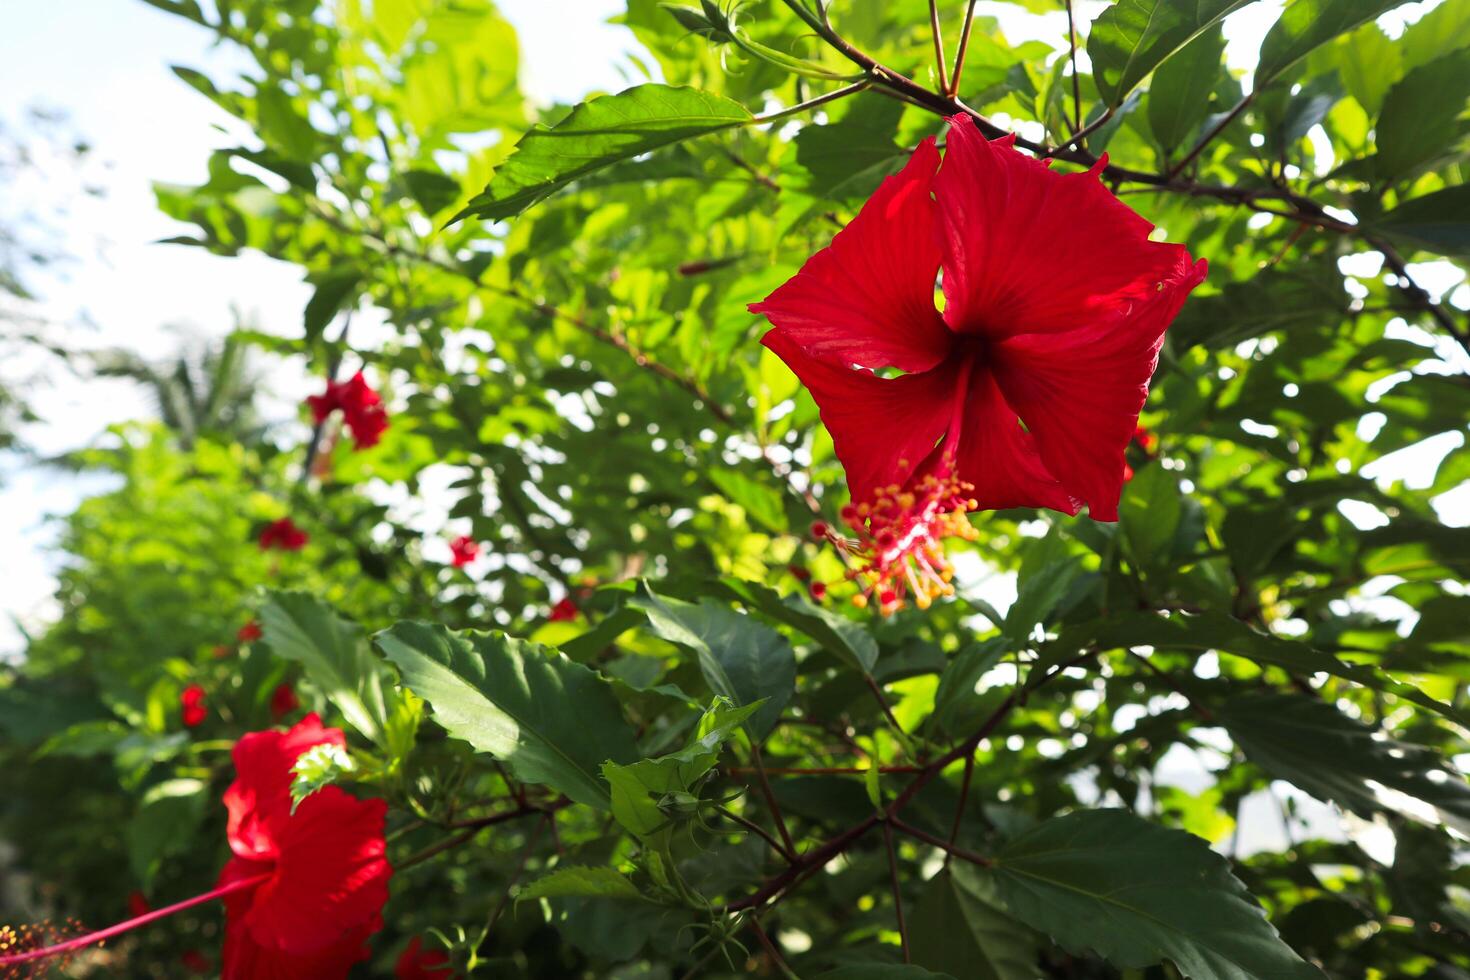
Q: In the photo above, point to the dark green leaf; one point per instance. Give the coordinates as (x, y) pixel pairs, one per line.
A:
(1149, 511)
(1420, 117)
(1133, 37)
(1139, 894)
(581, 882)
(849, 158)
(1306, 24)
(1179, 95)
(1314, 745)
(333, 288)
(336, 656)
(955, 931)
(1438, 222)
(551, 719)
(741, 658)
(164, 825)
(597, 134)
(837, 634)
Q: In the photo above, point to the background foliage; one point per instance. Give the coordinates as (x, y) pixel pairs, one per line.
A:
(575, 382)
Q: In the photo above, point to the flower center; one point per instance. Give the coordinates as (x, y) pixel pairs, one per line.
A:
(898, 539)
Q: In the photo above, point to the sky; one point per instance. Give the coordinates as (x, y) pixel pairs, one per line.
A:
(146, 125)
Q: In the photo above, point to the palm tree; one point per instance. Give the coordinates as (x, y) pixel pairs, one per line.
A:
(206, 389)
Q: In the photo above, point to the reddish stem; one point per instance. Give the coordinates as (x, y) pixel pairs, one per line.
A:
(102, 935)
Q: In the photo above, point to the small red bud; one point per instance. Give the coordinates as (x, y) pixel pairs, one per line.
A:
(818, 591)
(800, 574)
(820, 530)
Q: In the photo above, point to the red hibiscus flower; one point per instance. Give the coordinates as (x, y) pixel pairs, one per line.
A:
(321, 875)
(304, 890)
(1023, 392)
(249, 633)
(283, 701)
(283, 535)
(564, 611)
(417, 963)
(464, 550)
(362, 409)
(191, 699)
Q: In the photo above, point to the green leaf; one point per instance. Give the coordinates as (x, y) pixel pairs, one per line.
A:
(850, 157)
(1139, 894)
(955, 931)
(333, 288)
(1218, 631)
(1150, 512)
(674, 778)
(761, 501)
(1047, 573)
(316, 768)
(581, 882)
(741, 658)
(335, 654)
(1133, 37)
(837, 634)
(164, 825)
(1438, 222)
(1179, 95)
(1314, 745)
(551, 719)
(955, 699)
(434, 191)
(1420, 118)
(597, 134)
(1306, 24)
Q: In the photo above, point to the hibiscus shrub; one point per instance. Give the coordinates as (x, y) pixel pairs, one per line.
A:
(870, 500)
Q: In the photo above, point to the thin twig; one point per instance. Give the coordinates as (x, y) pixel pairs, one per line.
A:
(1209, 137)
(903, 931)
(812, 103)
(1076, 79)
(959, 811)
(765, 784)
(959, 56)
(821, 770)
(948, 847)
(938, 45)
(758, 830)
(770, 948)
(1081, 134)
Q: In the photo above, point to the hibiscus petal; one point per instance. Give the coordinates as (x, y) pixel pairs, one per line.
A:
(868, 298)
(1079, 392)
(245, 959)
(1000, 458)
(883, 429)
(260, 797)
(1029, 250)
(331, 877)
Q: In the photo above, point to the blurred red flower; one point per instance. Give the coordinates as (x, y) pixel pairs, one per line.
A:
(249, 633)
(1023, 392)
(417, 963)
(283, 535)
(196, 962)
(138, 904)
(464, 550)
(283, 701)
(564, 611)
(191, 699)
(362, 409)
